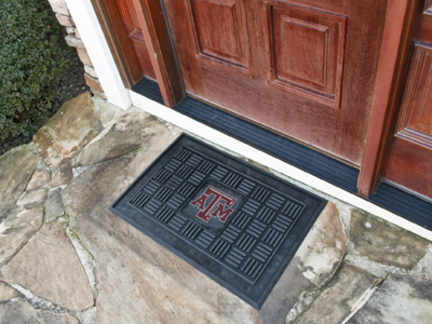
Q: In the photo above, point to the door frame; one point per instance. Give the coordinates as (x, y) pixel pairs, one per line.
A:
(392, 72)
(399, 27)
(109, 16)
(158, 42)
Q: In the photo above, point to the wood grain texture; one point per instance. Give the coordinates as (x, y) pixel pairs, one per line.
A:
(410, 165)
(120, 45)
(400, 24)
(307, 51)
(416, 108)
(152, 22)
(409, 161)
(416, 137)
(221, 33)
(135, 34)
(336, 62)
(424, 28)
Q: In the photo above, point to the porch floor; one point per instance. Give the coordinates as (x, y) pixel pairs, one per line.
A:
(64, 258)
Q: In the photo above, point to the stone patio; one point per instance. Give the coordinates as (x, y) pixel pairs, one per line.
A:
(64, 258)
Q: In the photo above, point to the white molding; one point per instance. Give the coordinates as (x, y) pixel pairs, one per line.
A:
(91, 34)
(324, 188)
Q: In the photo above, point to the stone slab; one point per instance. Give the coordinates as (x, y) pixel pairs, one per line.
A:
(73, 126)
(91, 81)
(340, 298)
(314, 264)
(63, 176)
(424, 268)
(77, 34)
(131, 131)
(17, 228)
(60, 7)
(7, 293)
(20, 312)
(16, 168)
(39, 179)
(383, 242)
(162, 144)
(98, 93)
(65, 20)
(53, 206)
(84, 57)
(73, 41)
(49, 266)
(107, 111)
(38, 195)
(90, 70)
(400, 300)
(324, 247)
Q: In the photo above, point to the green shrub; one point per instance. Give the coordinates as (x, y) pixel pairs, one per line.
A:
(32, 55)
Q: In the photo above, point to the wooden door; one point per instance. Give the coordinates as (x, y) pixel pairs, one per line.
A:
(304, 68)
(410, 158)
(133, 28)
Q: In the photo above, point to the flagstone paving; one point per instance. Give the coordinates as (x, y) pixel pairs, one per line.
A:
(39, 179)
(65, 258)
(63, 176)
(53, 205)
(20, 311)
(73, 126)
(16, 168)
(371, 236)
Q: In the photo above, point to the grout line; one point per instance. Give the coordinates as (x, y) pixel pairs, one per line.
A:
(232, 144)
(86, 316)
(363, 301)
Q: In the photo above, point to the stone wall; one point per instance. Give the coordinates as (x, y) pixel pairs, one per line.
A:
(73, 39)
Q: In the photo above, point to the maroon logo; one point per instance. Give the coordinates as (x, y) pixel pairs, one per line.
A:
(215, 207)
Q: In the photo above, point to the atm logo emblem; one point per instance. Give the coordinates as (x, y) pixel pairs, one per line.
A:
(214, 203)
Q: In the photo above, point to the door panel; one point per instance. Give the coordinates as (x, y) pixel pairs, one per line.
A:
(220, 32)
(410, 158)
(416, 113)
(307, 52)
(130, 20)
(305, 69)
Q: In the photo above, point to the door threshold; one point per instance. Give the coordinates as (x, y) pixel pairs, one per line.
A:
(289, 158)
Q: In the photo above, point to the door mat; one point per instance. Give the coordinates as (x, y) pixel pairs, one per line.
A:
(239, 225)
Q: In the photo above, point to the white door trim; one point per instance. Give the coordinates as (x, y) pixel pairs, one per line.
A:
(94, 40)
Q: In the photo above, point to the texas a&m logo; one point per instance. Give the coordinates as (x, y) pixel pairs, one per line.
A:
(210, 205)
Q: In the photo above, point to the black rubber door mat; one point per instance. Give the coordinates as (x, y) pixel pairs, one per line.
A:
(234, 222)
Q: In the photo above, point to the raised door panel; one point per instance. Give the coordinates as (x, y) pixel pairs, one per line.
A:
(130, 20)
(410, 166)
(415, 119)
(221, 33)
(307, 51)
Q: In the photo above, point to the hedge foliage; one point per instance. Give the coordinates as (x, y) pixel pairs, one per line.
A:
(32, 55)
